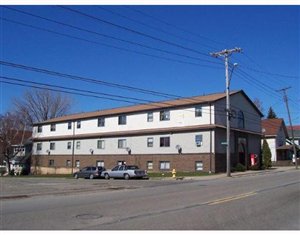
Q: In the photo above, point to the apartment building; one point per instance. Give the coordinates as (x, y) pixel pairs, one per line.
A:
(184, 134)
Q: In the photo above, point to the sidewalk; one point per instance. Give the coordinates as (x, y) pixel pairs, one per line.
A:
(240, 174)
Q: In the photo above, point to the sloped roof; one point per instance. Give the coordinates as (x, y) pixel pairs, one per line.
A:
(147, 107)
(296, 130)
(271, 127)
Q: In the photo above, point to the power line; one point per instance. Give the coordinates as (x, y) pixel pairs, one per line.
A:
(88, 93)
(264, 72)
(108, 36)
(174, 26)
(134, 31)
(109, 45)
(90, 80)
(152, 27)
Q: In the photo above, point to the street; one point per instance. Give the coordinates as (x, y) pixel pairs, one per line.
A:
(250, 202)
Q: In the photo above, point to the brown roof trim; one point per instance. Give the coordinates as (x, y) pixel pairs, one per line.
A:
(129, 133)
(144, 107)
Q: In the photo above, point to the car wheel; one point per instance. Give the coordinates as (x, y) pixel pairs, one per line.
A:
(76, 176)
(91, 176)
(126, 177)
(106, 176)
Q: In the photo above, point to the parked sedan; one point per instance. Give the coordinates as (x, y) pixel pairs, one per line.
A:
(125, 171)
(90, 172)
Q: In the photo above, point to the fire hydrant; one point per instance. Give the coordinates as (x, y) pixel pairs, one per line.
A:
(173, 173)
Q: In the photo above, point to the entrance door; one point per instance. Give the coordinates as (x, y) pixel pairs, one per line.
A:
(242, 151)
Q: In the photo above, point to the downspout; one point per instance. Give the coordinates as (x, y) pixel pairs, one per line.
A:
(73, 148)
(210, 137)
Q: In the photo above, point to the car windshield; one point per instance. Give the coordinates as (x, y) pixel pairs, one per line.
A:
(132, 167)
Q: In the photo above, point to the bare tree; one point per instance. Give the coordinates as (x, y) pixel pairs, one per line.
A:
(12, 130)
(41, 105)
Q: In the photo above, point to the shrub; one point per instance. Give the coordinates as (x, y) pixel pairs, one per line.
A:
(240, 167)
(266, 155)
(254, 168)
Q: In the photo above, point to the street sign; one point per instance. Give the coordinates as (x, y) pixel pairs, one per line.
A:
(223, 143)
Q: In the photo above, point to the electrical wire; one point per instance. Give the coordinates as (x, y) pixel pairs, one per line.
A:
(134, 31)
(174, 26)
(107, 36)
(154, 28)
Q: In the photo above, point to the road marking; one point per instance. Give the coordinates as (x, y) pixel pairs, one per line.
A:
(228, 199)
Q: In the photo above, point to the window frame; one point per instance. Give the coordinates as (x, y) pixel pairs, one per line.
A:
(101, 122)
(165, 115)
(77, 163)
(166, 164)
(53, 127)
(78, 144)
(150, 117)
(69, 145)
(164, 142)
(101, 163)
(52, 146)
(78, 124)
(198, 111)
(39, 146)
(122, 120)
(148, 165)
(102, 146)
(199, 142)
(39, 129)
(241, 119)
(149, 142)
(201, 166)
(68, 163)
(69, 125)
(122, 141)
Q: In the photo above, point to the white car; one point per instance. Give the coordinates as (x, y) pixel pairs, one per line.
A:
(124, 171)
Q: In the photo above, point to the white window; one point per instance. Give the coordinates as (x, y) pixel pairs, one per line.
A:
(199, 166)
(77, 144)
(78, 124)
(101, 121)
(122, 120)
(100, 163)
(77, 163)
(40, 129)
(69, 145)
(150, 142)
(198, 111)
(198, 140)
(164, 165)
(100, 144)
(149, 165)
(52, 146)
(38, 146)
(164, 142)
(164, 115)
(150, 117)
(52, 127)
(68, 163)
(122, 143)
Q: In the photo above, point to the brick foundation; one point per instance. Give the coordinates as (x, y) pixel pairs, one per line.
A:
(180, 162)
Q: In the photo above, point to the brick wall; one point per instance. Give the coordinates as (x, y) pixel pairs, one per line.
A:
(180, 162)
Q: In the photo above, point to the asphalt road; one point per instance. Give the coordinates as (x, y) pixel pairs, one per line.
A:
(253, 202)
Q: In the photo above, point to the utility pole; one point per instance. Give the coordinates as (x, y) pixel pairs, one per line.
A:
(285, 99)
(226, 53)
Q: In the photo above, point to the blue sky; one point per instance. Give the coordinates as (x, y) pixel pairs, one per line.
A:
(268, 35)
